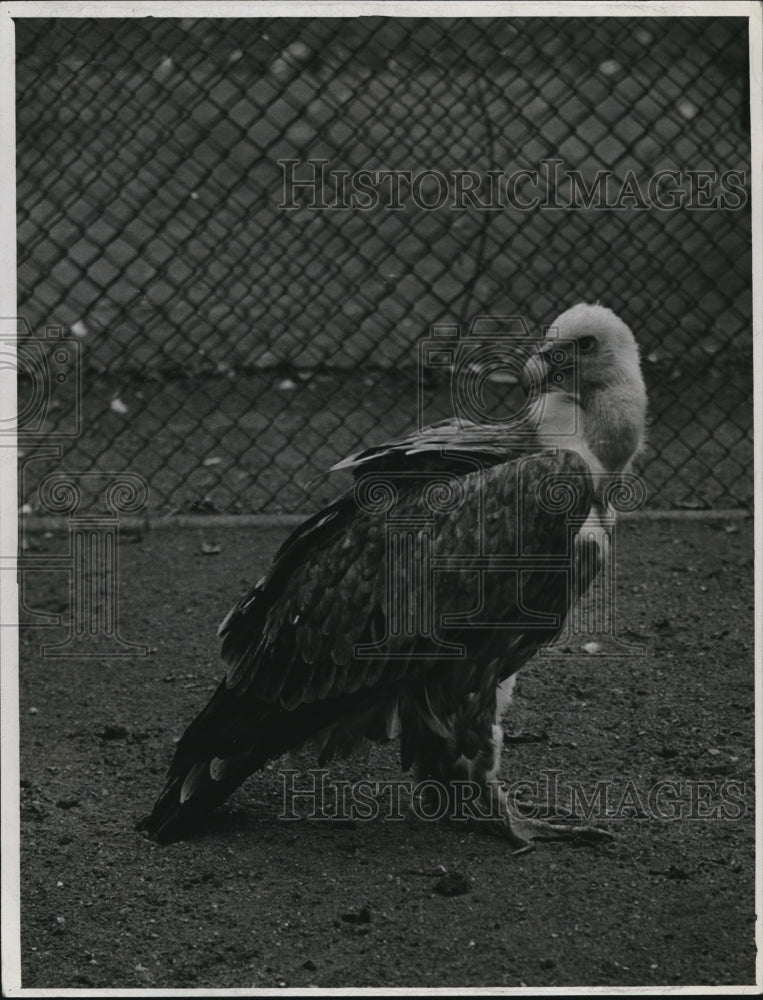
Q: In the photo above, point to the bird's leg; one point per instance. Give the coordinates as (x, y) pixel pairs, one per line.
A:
(467, 776)
(494, 812)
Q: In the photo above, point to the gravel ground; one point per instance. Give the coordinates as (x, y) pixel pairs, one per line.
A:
(255, 901)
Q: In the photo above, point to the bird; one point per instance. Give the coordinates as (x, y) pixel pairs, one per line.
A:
(404, 608)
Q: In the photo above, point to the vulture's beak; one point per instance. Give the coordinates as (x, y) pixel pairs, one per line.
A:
(548, 369)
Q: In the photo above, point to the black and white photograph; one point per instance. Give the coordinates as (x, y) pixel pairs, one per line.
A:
(377, 433)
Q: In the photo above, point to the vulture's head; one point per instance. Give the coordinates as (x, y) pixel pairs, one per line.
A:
(587, 370)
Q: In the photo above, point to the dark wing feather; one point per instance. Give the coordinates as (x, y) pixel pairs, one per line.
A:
(435, 447)
(290, 642)
(293, 638)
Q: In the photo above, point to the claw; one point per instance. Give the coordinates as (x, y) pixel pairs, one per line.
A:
(538, 829)
(524, 850)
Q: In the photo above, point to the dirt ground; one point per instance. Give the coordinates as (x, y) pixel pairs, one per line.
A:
(255, 901)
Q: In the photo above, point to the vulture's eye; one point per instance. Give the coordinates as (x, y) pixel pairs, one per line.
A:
(587, 344)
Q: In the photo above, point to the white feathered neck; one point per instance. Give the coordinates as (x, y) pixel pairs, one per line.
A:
(605, 422)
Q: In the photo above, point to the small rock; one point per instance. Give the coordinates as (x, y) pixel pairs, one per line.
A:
(67, 803)
(672, 871)
(203, 505)
(363, 916)
(266, 360)
(687, 109)
(286, 385)
(452, 884)
(209, 549)
(164, 69)
(113, 732)
(35, 808)
(79, 329)
(693, 504)
(592, 647)
(609, 67)
(309, 965)
(33, 711)
(675, 872)
(297, 51)
(117, 406)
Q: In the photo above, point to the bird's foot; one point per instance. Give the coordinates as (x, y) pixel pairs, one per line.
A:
(523, 832)
(530, 831)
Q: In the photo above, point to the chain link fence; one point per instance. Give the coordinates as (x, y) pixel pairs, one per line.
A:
(231, 349)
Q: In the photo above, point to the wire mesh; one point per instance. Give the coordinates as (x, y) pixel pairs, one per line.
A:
(230, 349)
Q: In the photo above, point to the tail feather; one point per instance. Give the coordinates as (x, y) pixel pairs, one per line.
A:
(177, 812)
(233, 737)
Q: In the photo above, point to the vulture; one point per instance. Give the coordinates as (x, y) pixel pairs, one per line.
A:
(404, 608)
